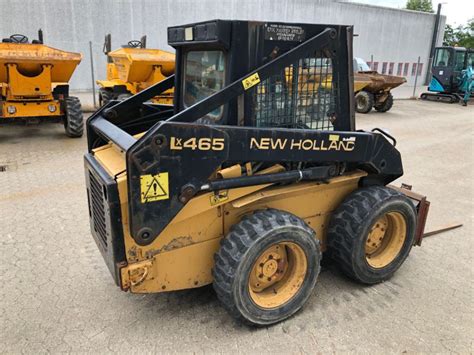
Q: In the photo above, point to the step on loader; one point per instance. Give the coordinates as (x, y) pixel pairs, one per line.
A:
(34, 84)
(255, 174)
(132, 68)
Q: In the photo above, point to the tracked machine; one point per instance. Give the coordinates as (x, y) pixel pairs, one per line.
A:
(448, 84)
(255, 173)
(34, 84)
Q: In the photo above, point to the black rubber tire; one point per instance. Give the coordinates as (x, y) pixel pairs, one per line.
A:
(73, 121)
(364, 101)
(386, 105)
(105, 95)
(350, 224)
(243, 245)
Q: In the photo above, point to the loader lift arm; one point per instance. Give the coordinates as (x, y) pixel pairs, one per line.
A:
(120, 112)
(163, 149)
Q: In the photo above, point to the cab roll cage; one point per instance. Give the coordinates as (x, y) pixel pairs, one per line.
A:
(106, 123)
(189, 170)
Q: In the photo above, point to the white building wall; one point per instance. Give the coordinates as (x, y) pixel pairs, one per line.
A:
(390, 35)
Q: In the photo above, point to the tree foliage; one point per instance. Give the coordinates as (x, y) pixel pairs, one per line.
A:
(461, 36)
(420, 5)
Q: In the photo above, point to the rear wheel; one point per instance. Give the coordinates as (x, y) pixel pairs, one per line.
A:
(105, 95)
(364, 101)
(267, 267)
(386, 105)
(73, 121)
(371, 233)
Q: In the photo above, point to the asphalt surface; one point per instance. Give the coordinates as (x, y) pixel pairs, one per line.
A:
(57, 295)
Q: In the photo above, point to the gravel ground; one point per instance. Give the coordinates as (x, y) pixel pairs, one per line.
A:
(57, 294)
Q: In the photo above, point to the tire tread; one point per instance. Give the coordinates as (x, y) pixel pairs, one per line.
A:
(74, 120)
(240, 238)
(348, 221)
(386, 105)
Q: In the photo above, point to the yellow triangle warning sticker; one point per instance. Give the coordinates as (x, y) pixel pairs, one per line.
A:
(154, 187)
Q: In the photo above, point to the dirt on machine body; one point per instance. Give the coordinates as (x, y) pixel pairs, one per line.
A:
(253, 176)
(34, 84)
(372, 90)
(133, 68)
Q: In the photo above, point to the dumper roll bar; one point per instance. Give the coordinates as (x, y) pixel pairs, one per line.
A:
(161, 150)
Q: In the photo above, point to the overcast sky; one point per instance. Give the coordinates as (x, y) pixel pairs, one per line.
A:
(457, 11)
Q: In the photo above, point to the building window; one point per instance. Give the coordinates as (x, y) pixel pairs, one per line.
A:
(376, 66)
(413, 69)
(384, 67)
(405, 69)
(399, 69)
(390, 68)
(420, 69)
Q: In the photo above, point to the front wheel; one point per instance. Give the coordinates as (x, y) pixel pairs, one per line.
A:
(371, 233)
(73, 120)
(267, 267)
(364, 101)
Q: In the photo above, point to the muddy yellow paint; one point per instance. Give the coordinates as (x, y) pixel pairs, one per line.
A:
(182, 256)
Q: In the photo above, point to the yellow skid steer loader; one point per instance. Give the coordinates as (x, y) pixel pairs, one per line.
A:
(251, 178)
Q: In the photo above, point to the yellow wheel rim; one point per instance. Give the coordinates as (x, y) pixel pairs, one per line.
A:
(385, 239)
(277, 275)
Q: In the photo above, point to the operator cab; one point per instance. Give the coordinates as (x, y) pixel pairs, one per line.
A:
(307, 94)
(360, 65)
(448, 64)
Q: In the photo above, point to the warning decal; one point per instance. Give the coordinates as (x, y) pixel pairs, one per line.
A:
(154, 187)
(250, 81)
(219, 197)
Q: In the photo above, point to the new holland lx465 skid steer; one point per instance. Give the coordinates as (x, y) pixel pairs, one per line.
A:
(251, 176)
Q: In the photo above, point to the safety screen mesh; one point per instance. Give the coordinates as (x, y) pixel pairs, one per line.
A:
(300, 96)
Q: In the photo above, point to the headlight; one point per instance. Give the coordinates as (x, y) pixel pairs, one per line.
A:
(52, 108)
(11, 110)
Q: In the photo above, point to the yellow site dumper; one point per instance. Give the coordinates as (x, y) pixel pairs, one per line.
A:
(133, 68)
(34, 84)
(315, 75)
